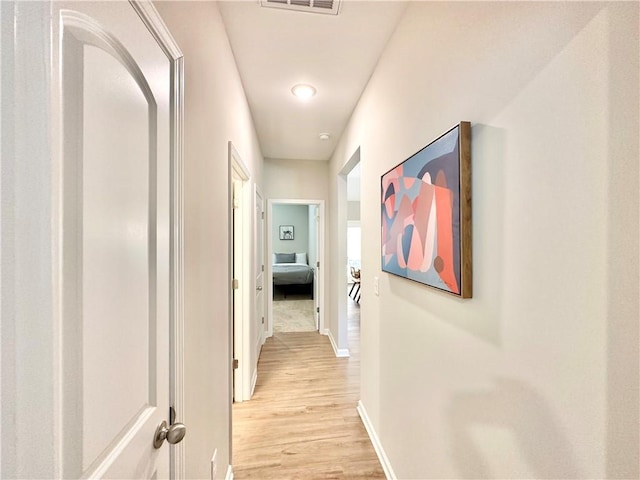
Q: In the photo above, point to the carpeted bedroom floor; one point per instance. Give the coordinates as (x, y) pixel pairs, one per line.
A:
(293, 315)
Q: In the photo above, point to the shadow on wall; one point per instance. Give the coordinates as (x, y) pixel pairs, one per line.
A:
(526, 419)
(488, 201)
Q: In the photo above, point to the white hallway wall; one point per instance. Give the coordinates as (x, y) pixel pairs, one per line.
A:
(300, 180)
(296, 179)
(537, 375)
(298, 217)
(216, 111)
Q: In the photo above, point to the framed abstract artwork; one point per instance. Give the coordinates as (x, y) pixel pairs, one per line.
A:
(426, 215)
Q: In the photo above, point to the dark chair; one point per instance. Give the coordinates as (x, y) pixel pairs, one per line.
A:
(355, 288)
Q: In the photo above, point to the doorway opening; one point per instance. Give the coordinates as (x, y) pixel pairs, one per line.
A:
(348, 261)
(295, 251)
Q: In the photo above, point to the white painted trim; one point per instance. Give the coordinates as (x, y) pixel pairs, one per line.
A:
(153, 21)
(375, 441)
(340, 352)
(229, 475)
(156, 26)
(3, 56)
(254, 380)
(339, 260)
(239, 333)
(180, 463)
(239, 164)
(321, 257)
(237, 259)
(31, 397)
(214, 461)
(258, 332)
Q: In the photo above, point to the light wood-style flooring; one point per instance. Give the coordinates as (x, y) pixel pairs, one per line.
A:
(302, 421)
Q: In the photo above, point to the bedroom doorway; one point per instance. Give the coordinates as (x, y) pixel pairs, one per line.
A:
(294, 280)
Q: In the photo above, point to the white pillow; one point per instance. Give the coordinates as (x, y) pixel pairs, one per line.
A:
(301, 258)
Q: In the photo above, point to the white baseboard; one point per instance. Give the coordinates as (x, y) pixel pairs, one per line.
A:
(229, 473)
(254, 380)
(375, 441)
(340, 352)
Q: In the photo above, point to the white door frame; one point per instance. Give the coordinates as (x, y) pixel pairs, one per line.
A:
(259, 336)
(240, 298)
(340, 260)
(31, 233)
(161, 33)
(269, 270)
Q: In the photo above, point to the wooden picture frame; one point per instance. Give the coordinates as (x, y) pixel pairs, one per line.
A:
(426, 215)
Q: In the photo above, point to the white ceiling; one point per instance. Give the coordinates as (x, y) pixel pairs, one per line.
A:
(276, 49)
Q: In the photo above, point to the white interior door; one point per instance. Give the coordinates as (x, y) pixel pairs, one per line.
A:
(315, 221)
(237, 243)
(241, 242)
(116, 141)
(259, 272)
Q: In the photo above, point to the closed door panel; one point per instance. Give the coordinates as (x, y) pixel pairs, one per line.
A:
(118, 264)
(116, 149)
(259, 269)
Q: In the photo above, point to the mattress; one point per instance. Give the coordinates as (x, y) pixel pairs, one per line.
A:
(292, 274)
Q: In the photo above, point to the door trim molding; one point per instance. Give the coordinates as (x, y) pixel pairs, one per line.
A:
(339, 274)
(321, 248)
(29, 250)
(243, 373)
(158, 29)
(257, 322)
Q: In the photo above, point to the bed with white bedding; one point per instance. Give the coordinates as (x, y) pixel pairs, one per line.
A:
(291, 269)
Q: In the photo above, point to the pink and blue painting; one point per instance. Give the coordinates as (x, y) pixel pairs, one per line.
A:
(426, 215)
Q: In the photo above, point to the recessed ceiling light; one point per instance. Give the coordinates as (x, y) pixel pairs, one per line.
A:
(303, 91)
(324, 136)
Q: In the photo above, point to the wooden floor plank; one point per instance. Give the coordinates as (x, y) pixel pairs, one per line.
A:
(302, 421)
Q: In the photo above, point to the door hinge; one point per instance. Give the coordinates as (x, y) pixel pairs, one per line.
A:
(262, 215)
(263, 320)
(263, 268)
(318, 309)
(318, 264)
(235, 363)
(235, 284)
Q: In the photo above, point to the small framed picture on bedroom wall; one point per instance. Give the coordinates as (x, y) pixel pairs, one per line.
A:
(286, 232)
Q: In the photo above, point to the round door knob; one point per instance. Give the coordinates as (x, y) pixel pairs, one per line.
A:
(172, 434)
(176, 433)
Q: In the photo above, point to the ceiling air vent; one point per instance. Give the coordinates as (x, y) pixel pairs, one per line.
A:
(314, 6)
